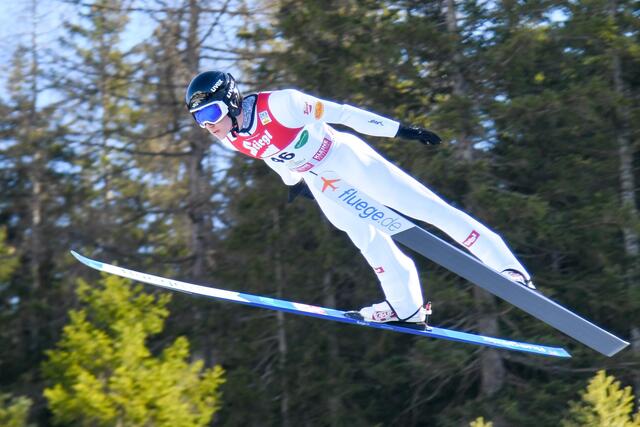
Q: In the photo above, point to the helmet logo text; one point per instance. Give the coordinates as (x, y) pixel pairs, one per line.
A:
(216, 86)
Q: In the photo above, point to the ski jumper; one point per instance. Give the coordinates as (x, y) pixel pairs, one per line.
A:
(289, 130)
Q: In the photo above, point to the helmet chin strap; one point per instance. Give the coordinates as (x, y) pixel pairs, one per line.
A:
(234, 126)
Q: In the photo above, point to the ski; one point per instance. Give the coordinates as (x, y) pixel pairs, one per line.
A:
(318, 312)
(448, 256)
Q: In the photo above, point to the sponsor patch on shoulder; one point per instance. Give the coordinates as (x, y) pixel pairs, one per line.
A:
(319, 110)
(264, 117)
(307, 108)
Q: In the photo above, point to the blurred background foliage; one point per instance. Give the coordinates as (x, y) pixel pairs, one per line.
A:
(537, 101)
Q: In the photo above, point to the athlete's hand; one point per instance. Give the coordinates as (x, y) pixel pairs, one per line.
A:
(423, 135)
(299, 189)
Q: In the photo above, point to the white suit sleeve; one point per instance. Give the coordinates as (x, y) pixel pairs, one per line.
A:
(293, 108)
(289, 177)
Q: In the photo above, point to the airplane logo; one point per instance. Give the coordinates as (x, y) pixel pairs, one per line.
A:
(326, 183)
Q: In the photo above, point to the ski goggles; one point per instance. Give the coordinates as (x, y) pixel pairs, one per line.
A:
(210, 113)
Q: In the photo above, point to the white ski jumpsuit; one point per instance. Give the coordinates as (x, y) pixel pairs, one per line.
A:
(289, 130)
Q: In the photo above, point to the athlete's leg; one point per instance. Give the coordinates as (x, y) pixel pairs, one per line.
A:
(368, 171)
(396, 271)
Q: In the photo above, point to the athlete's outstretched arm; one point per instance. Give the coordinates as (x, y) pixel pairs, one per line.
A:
(294, 108)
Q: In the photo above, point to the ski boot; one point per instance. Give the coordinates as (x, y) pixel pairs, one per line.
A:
(519, 278)
(384, 313)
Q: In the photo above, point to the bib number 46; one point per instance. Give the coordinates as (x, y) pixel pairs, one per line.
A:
(283, 157)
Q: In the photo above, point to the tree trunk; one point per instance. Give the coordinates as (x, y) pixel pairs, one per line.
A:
(198, 203)
(465, 151)
(492, 370)
(627, 183)
(198, 195)
(197, 208)
(37, 168)
(35, 248)
(333, 348)
(105, 166)
(282, 333)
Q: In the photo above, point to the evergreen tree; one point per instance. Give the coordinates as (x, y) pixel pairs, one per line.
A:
(35, 182)
(602, 38)
(102, 372)
(8, 259)
(480, 422)
(14, 411)
(94, 76)
(603, 404)
(500, 84)
(540, 121)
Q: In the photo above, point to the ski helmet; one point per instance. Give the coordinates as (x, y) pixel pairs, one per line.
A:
(210, 86)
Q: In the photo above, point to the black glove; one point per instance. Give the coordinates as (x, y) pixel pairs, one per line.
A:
(299, 189)
(423, 135)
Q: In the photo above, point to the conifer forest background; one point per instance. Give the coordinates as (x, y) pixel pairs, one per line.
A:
(538, 102)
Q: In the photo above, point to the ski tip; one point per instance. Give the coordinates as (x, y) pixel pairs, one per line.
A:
(87, 261)
(79, 257)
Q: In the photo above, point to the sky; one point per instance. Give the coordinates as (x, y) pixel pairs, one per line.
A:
(16, 24)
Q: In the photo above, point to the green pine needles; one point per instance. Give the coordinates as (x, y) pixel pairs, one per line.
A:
(604, 404)
(14, 411)
(102, 373)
